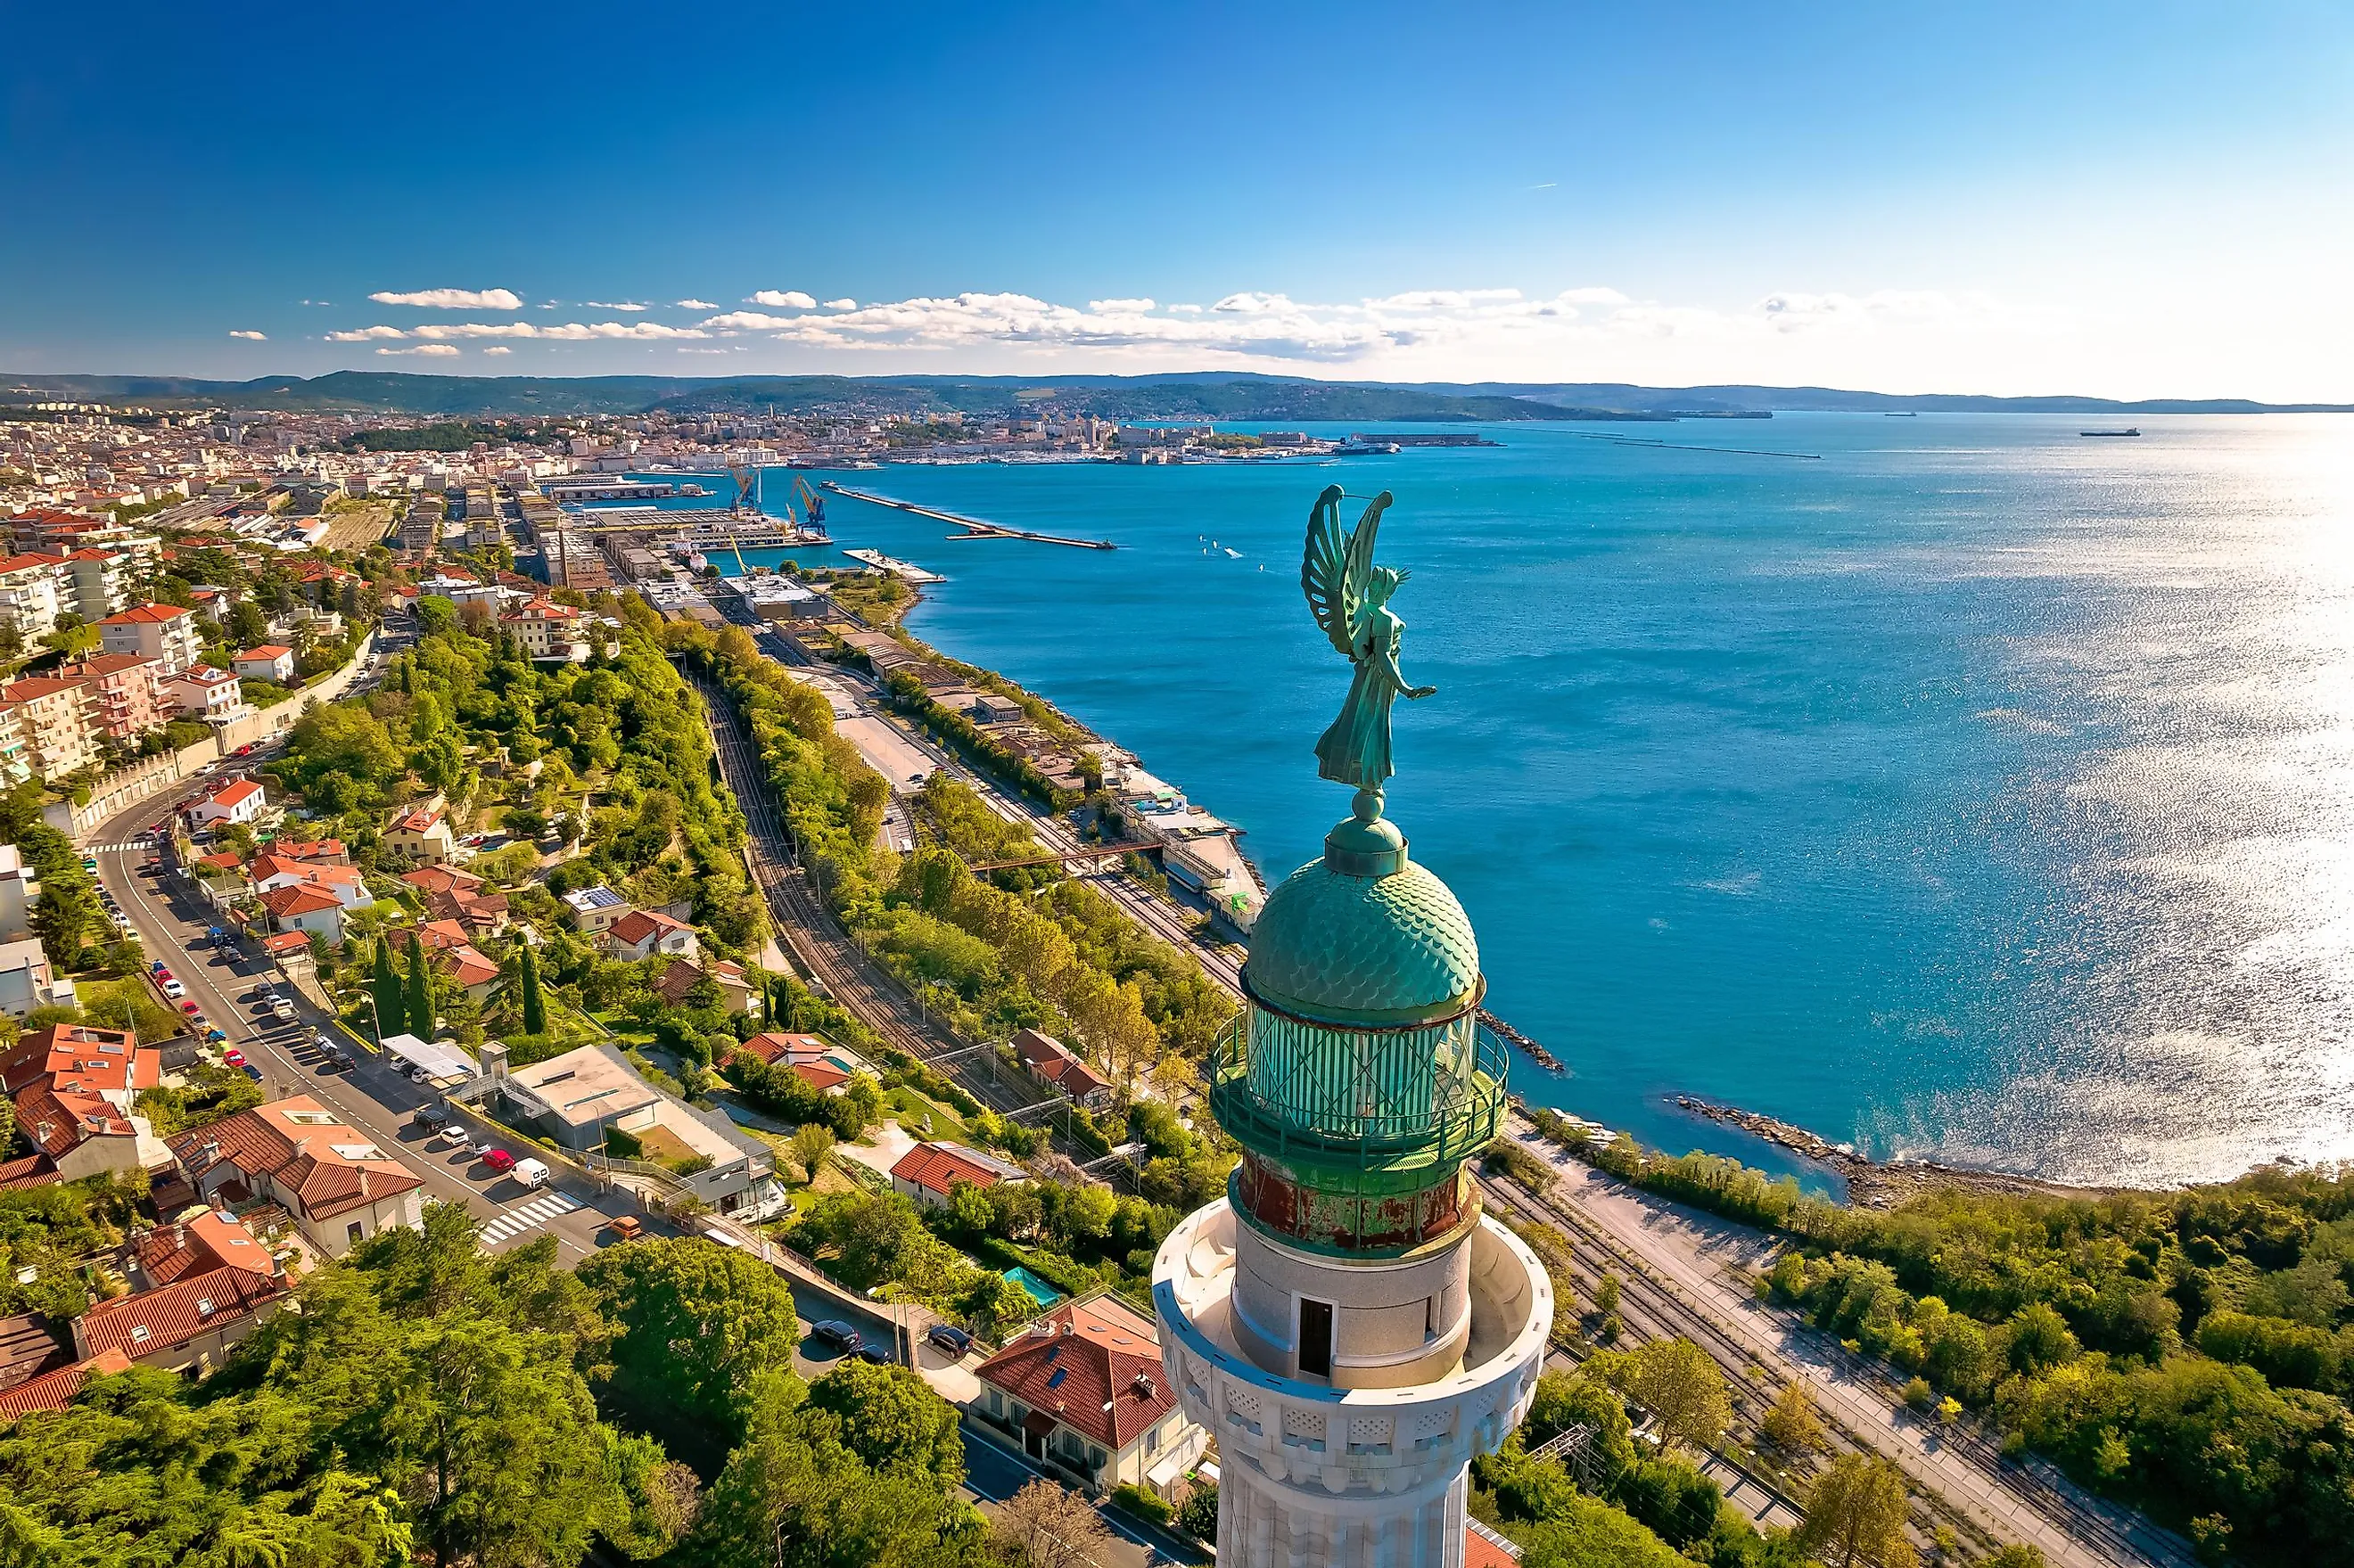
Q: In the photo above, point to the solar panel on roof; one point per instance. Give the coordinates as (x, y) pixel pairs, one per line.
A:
(1056, 1381)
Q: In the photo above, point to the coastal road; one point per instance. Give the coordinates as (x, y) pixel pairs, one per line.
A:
(1681, 1269)
(170, 920)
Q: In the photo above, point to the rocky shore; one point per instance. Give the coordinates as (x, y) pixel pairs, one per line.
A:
(1872, 1184)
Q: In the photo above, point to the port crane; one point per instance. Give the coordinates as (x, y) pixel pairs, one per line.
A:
(812, 503)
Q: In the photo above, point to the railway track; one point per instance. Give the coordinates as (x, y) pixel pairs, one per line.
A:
(1655, 1308)
(809, 930)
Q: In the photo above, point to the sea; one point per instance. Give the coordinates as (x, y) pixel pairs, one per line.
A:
(1958, 787)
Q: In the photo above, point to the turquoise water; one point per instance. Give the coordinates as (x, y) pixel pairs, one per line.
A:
(1977, 791)
(1037, 1289)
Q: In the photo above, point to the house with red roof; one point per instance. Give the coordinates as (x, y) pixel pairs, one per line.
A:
(271, 662)
(680, 976)
(202, 1240)
(328, 1174)
(929, 1171)
(422, 831)
(446, 945)
(301, 907)
(75, 1086)
(55, 1390)
(323, 852)
(187, 1326)
(239, 801)
(123, 694)
(460, 896)
(1054, 1065)
(270, 871)
(816, 1061)
(1083, 1392)
(642, 933)
(212, 696)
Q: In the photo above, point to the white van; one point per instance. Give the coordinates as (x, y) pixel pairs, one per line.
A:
(531, 1172)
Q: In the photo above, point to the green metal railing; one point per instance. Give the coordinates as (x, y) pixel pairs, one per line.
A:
(1412, 1097)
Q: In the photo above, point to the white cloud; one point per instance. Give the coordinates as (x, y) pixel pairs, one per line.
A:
(749, 320)
(570, 332)
(437, 350)
(498, 348)
(1121, 307)
(603, 305)
(695, 304)
(784, 300)
(454, 299)
(327, 302)
(250, 336)
(362, 334)
(843, 304)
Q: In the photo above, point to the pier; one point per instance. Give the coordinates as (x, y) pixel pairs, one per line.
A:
(906, 571)
(974, 528)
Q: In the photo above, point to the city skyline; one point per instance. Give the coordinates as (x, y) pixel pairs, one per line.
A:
(2110, 203)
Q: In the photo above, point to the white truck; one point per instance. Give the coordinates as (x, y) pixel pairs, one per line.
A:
(531, 1172)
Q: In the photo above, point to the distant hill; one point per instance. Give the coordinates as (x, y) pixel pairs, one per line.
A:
(1202, 395)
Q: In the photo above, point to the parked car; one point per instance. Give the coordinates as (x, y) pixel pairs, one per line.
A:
(430, 1116)
(499, 1161)
(949, 1338)
(838, 1334)
(453, 1133)
(233, 1056)
(338, 1057)
(626, 1227)
(531, 1172)
(191, 1008)
(174, 990)
(253, 1072)
(214, 1036)
(874, 1355)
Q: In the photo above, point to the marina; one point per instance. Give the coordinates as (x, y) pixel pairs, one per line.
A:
(974, 528)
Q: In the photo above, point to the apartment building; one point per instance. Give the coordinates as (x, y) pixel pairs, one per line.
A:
(14, 766)
(20, 889)
(56, 735)
(100, 582)
(28, 595)
(125, 693)
(164, 632)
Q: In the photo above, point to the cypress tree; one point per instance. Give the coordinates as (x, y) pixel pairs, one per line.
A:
(534, 1005)
(420, 992)
(391, 1005)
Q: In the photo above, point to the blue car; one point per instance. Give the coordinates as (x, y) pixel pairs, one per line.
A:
(253, 1072)
(214, 1036)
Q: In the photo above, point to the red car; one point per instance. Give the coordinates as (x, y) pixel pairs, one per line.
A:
(233, 1056)
(189, 1008)
(162, 974)
(499, 1160)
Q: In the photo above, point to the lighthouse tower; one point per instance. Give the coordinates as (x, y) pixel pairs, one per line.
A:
(1345, 1323)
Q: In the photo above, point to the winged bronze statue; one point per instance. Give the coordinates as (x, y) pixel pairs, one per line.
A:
(1349, 597)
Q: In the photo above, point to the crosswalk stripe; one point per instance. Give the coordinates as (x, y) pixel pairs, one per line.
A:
(527, 1216)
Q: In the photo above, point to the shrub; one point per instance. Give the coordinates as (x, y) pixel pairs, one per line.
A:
(1141, 1503)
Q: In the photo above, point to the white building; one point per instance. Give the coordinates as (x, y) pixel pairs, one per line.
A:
(20, 889)
(164, 632)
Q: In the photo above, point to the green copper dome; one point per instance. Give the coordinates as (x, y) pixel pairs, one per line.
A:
(1389, 949)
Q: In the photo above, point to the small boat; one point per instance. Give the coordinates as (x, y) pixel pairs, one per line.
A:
(1907, 414)
(1237, 554)
(2131, 432)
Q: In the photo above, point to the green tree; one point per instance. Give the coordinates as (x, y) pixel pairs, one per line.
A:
(892, 1419)
(419, 1004)
(1792, 1423)
(697, 1323)
(535, 1004)
(1855, 1515)
(1678, 1382)
(391, 1004)
(812, 1142)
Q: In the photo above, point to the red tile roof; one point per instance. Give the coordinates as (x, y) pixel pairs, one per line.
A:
(236, 792)
(1094, 1364)
(56, 1122)
(32, 1171)
(214, 1239)
(308, 849)
(1483, 1548)
(933, 1166)
(639, 926)
(294, 1143)
(75, 1047)
(297, 898)
(145, 614)
(55, 1391)
(170, 1317)
(268, 651)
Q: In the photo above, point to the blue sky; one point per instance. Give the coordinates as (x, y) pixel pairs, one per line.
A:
(2143, 199)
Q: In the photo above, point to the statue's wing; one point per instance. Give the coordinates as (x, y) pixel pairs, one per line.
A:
(1358, 573)
(1324, 571)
